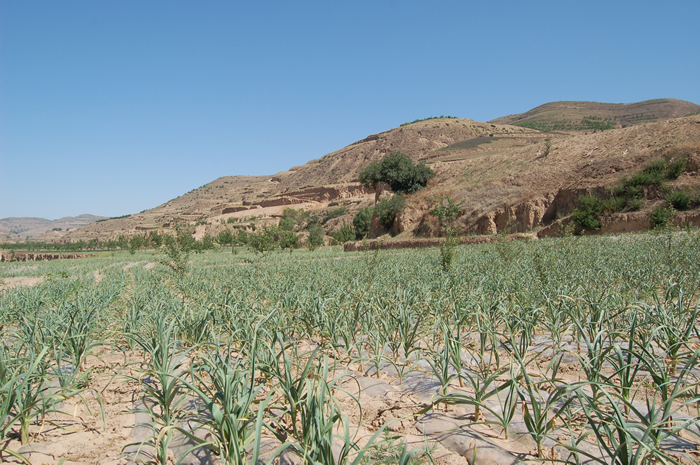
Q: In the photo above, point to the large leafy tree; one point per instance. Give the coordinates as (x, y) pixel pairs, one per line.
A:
(399, 171)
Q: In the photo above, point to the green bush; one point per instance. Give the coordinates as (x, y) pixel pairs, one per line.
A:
(262, 241)
(675, 168)
(287, 239)
(613, 204)
(661, 216)
(399, 171)
(315, 238)
(287, 224)
(586, 215)
(680, 200)
(635, 204)
(592, 207)
(345, 234)
(655, 174)
(387, 209)
(226, 237)
(362, 221)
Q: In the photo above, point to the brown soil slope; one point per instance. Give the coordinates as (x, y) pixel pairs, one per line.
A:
(506, 177)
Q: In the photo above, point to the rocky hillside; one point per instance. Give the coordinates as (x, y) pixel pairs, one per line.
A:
(594, 116)
(505, 176)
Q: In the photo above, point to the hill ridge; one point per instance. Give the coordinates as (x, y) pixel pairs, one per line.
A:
(488, 166)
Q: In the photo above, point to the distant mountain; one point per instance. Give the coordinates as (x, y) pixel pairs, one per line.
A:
(592, 116)
(13, 228)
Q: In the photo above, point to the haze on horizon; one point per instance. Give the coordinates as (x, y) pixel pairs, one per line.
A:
(113, 108)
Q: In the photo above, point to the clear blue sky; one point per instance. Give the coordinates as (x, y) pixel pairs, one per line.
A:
(113, 107)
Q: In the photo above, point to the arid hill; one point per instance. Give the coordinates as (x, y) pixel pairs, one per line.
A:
(506, 178)
(15, 229)
(593, 116)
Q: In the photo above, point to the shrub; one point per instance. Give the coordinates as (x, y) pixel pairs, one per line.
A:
(207, 243)
(177, 250)
(661, 216)
(680, 200)
(655, 173)
(287, 224)
(345, 234)
(315, 238)
(387, 209)
(635, 204)
(226, 237)
(399, 171)
(263, 241)
(675, 168)
(613, 204)
(586, 215)
(290, 213)
(361, 222)
(287, 239)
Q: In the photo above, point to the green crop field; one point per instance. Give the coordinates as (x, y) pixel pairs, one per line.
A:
(577, 350)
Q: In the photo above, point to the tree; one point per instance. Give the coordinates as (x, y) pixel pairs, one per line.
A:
(345, 234)
(226, 237)
(387, 209)
(362, 222)
(156, 239)
(287, 224)
(262, 241)
(315, 239)
(287, 239)
(399, 171)
(207, 243)
(177, 250)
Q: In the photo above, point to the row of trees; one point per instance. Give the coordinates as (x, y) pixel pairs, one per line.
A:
(397, 170)
(270, 237)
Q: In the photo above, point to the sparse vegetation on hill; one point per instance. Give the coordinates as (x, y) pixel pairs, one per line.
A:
(499, 173)
(594, 116)
(584, 124)
(428, 119)
(113, 218)
(629, 194)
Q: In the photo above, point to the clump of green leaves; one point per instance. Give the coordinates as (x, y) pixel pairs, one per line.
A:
(362, 221)
(586, 215)
(388, 208)
(656, 173)
(661, 216)
(346, 233)
(262, 241)
(629, 194)
(399, 171)
(680, 200)
(315, 238)
(226, 237)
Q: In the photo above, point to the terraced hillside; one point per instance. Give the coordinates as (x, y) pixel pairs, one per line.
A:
(595, 116)
(505, 176)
